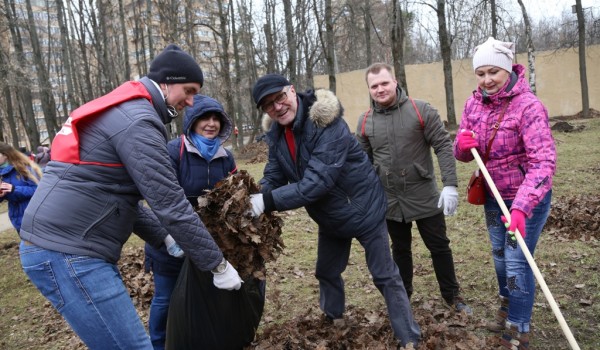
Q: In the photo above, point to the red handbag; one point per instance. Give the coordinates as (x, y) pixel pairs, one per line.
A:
(476, 186)
(476, 189)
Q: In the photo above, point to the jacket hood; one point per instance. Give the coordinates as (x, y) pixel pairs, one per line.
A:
(202, 105)
(511, 88)
(325, 108)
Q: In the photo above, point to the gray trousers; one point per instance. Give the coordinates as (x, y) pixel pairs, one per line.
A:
(332, 259)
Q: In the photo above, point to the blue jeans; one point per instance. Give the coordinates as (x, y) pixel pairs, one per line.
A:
(159, 309)
(332, 259)
(515, 277)
(89, 294)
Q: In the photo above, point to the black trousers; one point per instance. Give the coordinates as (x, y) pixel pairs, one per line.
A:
(433, 233)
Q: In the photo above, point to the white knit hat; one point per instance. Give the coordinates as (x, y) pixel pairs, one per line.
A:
(494, 53)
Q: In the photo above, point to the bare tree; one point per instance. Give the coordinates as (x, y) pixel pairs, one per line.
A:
(446, 52)
(23, 87)
(585, 100)
(530, 47)
(397, 35)
(45, 88)
(327, 39)
(291, 42)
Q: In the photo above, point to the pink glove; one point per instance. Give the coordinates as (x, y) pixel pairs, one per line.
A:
(517, 221)
(466, 140)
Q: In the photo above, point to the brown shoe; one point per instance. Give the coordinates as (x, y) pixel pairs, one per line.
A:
(513, 339)
(498, 324)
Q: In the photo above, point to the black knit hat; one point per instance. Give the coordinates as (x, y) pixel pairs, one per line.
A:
(268, 84)
(174, 66)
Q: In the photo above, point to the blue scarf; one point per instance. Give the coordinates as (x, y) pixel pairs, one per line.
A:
(207, 147)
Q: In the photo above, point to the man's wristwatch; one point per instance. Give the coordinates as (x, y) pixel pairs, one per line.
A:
(221, 267)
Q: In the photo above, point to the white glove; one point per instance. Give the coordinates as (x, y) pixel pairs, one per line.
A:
(258, 204)
(449, 198)
(173, 247)
(228, 278)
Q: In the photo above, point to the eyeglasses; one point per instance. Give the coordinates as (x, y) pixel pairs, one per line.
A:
(279, 99)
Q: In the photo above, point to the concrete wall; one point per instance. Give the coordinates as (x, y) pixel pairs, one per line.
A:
(557, 73)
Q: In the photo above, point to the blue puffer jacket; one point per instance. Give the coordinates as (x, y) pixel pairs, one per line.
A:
(194, 173)
(332, 177)
(19, 198)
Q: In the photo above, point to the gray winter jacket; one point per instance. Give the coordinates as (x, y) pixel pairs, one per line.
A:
(93, 209)
(332, 177)
(400, 148)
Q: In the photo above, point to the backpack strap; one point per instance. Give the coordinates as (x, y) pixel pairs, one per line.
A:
(364, 122)
(418, 113)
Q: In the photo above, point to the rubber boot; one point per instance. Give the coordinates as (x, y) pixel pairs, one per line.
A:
(499, 322)
(513, 339)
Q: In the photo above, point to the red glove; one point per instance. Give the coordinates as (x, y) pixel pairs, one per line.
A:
(517, 221)
(466, 140)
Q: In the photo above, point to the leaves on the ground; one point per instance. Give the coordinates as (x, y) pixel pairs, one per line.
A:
(576, 217)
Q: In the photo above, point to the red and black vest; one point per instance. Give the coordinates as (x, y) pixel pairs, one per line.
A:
(65, 146)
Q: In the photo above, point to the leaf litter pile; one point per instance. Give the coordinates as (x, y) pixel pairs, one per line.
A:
(247, 243)
(225, 213)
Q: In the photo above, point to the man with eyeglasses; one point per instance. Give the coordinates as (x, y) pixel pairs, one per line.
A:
(316, 163)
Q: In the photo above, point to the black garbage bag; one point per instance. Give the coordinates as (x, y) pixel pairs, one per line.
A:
(201, 316)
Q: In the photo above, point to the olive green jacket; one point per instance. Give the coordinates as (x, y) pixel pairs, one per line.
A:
(399, 145)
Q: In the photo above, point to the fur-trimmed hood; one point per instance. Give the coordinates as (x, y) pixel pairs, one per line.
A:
(324, 108)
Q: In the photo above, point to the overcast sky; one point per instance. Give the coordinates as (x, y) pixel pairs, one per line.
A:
(537, 9)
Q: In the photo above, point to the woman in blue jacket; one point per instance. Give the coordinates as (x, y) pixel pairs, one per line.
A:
(200, 161)
(19, 176)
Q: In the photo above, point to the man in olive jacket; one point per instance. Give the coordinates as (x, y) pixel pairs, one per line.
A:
(398, 133)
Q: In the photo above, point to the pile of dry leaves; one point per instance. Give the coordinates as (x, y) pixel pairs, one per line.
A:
(247, 242)
(256, 152)
(576, 217)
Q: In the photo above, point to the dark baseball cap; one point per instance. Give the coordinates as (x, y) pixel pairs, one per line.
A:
(268, 84)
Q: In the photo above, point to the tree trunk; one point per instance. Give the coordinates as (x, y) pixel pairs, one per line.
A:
(125, 41)
(397, 36)
(446, 51)
(494, 19)
(225, 58)
(290, 35)
(270, 37)
(238, 121)
(45, 88)
(23, 89)
(585, 100)
(530, 48)
(367, 24)
(66, 57)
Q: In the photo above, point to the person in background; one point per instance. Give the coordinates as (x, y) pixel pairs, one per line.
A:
(398, 134)
(42, 157)
(19, 178)
(521, 162)
(200, 161)
(315, 162)
(109, 156)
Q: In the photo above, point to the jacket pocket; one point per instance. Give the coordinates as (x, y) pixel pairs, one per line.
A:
(113, 210)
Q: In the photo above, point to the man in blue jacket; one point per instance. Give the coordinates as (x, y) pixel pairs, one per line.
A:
(110, 154)
(316, 163)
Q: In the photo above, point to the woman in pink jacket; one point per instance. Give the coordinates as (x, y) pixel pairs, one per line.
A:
(522, 161)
